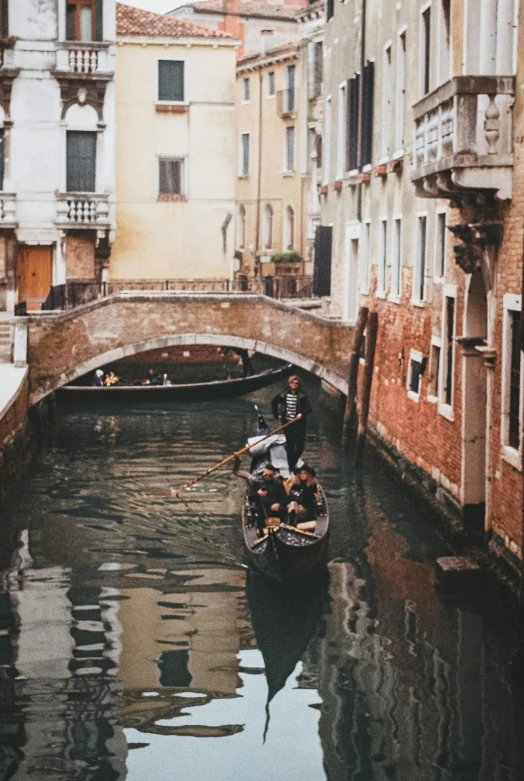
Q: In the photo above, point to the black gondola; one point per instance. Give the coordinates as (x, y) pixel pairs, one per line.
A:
(284, 621)
(197, 391)
(284, 552)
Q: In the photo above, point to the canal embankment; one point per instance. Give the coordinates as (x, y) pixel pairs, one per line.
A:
(15, 430)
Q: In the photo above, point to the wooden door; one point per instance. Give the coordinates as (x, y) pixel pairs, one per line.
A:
(35, 275)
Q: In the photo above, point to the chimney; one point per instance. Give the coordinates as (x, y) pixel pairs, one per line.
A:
(267, 40)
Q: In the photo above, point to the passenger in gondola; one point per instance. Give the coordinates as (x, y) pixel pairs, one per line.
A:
(153, 378)
(266, 494)
(98, 379)
(293, 404)
(305, 498)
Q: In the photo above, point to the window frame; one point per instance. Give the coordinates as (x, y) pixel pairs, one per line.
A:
(341, 131)
(78, 4)
(415, 356)
(241, 227)
(382, 260)
(161, 101)
(271, 82)
(425, 52)
(365, 246)
(246, 90)
(244, 173)
(326, 142)
(440, 246)
(289, 151)
(433, 386)
(395, 292)
(512, 303)
(268, 225)
(446, 409)
(183, 178)
(387, 102)
(421, 264)
(288, 232)
(400, 95)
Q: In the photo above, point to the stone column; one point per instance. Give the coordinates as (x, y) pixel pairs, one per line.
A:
(505, 38)
(488, 36)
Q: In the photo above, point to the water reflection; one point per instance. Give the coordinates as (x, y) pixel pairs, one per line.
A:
(131, 646)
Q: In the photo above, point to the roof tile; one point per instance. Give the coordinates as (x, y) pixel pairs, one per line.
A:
(135, 21)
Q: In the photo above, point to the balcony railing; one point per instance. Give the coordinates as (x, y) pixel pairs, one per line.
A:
(82, 210)
(83, 58)
(287, 101)
(7, 209)
(463, 138)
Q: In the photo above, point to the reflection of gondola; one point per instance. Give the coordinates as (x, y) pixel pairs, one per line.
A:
(197, 391)
(284, 621)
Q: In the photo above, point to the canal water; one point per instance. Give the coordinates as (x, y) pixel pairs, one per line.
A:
(134, 643)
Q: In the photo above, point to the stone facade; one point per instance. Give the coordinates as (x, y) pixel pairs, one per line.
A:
(56, 99)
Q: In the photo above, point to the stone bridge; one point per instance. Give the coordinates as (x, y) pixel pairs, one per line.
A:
(65, 345)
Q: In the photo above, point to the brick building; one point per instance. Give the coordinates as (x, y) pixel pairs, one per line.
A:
(421, 220)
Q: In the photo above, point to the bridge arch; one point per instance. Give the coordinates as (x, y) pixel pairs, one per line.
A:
(118, 353)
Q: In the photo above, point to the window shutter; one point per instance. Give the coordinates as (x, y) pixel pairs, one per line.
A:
(170, 177)
(99, 20)
(171, 80)
(330, 9)
(352, 120)
(322, 268)
(4, 10)
(368, 86)
(81, 161)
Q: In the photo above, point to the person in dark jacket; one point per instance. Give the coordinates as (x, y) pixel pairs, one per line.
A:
(266, 494)
(288, 405)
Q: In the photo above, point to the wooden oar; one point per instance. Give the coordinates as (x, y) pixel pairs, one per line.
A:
(224, 461)
(298, 531)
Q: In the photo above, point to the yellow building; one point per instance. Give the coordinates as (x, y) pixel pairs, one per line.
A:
(175, 160)
(269, 194)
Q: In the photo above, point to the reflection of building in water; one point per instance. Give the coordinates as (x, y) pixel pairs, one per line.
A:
(58, 698)
(186, 638)
(401, 692)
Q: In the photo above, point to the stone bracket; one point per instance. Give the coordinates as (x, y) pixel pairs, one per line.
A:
(82, 89)
(477, 250)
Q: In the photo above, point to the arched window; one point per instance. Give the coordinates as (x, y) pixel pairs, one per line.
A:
(241, 227)
(289, 228)
(267, 235)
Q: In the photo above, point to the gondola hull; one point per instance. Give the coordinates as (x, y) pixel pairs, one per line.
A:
(286, 555)
(219, 389)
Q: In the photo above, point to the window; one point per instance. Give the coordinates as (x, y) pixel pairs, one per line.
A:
(353, 117)
(415, 371)
(449, 350)
(401, 92)
(241, 227)
(368, 90)
(366, 266)
(425, 50)
(396, 271)
(419, 277)
(271, 84)
(341, 131)
(290, 87)
(289, 228)
(171, 80)
(382, 264)
(322, 267)
(245, 91)
(244, 154)
(4, 18)
(315, 68)
(84, 20)
(440, 246)
(327, 141)
(444, 49)
(434, 369)
(81, 161)
(289, 152)
(387, 89)
(514, 383)
(2, 158)
(330, 9)
(267, 228)
(170, 176)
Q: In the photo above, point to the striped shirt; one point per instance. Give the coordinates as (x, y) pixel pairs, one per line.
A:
(291, 406)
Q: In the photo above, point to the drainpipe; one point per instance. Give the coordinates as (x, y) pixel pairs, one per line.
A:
(362, 66)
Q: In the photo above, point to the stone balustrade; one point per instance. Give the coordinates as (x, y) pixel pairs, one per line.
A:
(83, 58)
(463, 137)
(81, 210)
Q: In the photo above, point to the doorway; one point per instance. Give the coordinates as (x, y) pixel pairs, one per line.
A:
(34, 275)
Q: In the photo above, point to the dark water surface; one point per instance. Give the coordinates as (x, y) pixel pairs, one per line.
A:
(132, 636)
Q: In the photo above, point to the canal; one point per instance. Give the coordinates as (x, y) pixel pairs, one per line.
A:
(134, 644)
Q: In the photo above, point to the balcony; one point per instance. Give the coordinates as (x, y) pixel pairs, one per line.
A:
(8, 210)
(83, 211)
(83, 59)
(287, 101)
(463, 138)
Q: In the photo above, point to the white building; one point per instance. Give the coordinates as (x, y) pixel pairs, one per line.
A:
(57, 126)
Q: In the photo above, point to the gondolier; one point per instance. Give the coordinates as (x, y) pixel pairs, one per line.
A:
(293, 403)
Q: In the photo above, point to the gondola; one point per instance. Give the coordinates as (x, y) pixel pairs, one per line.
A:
(285, 552)
(284, 621)
(197, 391)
